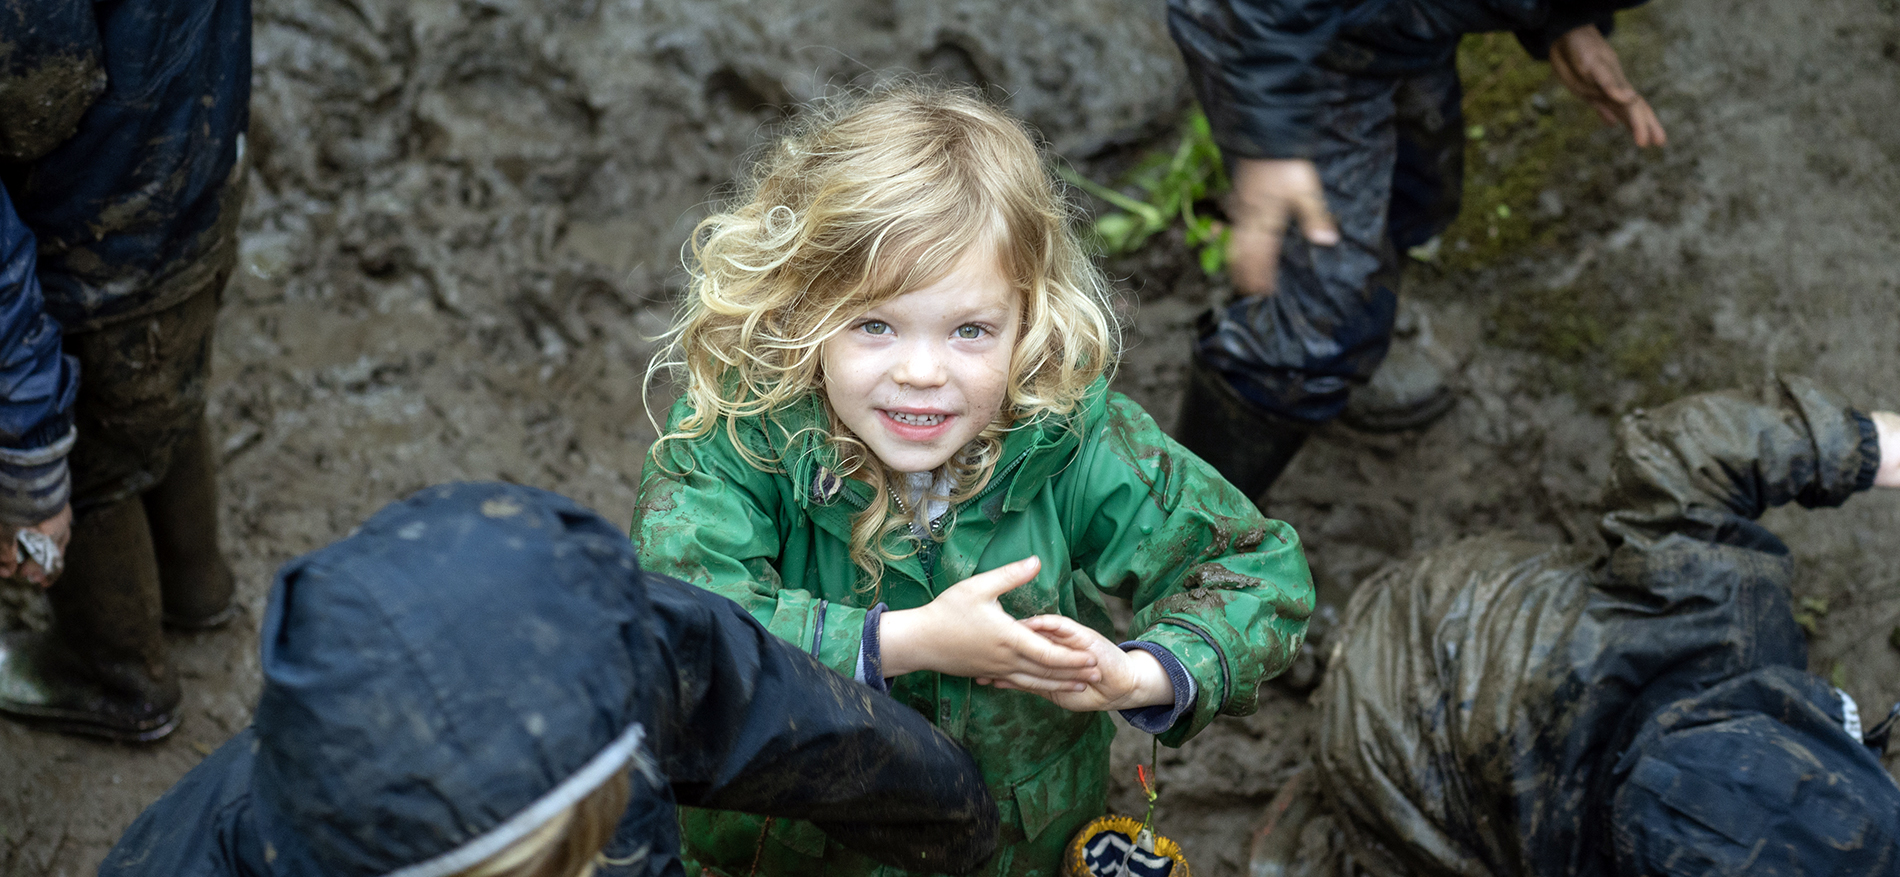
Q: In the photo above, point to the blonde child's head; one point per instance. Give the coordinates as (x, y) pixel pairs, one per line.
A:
(871, 197)
(568, 845)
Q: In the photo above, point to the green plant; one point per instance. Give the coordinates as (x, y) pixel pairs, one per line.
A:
(1169, 185)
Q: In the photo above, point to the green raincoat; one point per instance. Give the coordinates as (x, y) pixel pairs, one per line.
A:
(1110, 504)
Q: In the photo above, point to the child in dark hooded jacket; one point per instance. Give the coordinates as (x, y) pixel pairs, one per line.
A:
(481, 681)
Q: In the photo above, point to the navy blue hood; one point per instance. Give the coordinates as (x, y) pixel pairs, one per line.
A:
(401, 732)
(1756, 776)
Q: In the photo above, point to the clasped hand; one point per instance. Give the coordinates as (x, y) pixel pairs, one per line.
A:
(966, 632)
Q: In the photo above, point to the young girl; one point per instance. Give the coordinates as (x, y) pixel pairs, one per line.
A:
(897, 449)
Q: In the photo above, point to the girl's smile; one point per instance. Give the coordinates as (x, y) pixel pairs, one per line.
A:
(919, 376)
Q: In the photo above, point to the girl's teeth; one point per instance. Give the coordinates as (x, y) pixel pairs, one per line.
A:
(916, 419)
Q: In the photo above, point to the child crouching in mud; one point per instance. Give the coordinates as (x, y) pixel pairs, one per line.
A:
(898, 450)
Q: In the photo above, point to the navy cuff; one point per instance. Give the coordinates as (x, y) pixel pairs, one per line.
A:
(871, 653)
(1869, 451)
(1160, 717)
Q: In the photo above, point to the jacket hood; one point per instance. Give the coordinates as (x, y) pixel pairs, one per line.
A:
(1757, 775)
(445, 679)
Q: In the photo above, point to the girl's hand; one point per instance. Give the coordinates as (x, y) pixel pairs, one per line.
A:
(965, 632)
(1128, 679)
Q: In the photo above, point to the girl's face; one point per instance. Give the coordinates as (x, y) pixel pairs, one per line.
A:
(919, 376)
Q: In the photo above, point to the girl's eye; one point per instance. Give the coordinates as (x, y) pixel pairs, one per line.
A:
(875, 327)
(969, 332)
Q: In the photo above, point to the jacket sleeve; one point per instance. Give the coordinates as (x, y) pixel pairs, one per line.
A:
(1251, 63)
(201, 827)
(1702, 469)
(708, 517)
(37, 385)
(1218, 585)
(761, 727)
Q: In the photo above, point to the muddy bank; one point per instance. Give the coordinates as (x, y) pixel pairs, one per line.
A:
(466, 216)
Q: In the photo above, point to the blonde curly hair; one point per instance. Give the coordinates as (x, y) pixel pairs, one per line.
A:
(869, 196)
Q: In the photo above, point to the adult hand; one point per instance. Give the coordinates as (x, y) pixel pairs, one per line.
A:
(59, 528)
(1887, 428)
(1129, 679)
(1585, 64)
(966, 632)
(1267, 193)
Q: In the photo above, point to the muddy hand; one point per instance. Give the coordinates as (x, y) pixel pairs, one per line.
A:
(1585, 64)
(966, 632)
(48, 538)
(1267, 194)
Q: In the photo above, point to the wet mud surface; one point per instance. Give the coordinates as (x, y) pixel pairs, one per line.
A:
(463, 229)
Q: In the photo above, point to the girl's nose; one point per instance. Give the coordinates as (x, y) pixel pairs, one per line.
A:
(920, 365)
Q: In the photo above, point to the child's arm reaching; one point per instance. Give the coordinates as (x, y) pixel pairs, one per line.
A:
(965, 632)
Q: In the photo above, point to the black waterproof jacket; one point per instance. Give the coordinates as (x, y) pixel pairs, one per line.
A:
(1499, 707)
(1251, 62)
(480, 656)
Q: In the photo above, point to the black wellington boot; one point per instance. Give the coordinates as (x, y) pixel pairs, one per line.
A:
(182, 510)
(1249, 445)
(101, 671)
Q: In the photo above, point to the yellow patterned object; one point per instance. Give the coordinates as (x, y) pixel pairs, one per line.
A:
(1117, 846)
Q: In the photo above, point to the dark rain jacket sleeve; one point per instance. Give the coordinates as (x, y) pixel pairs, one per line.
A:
(762, 727)
(1694, 476)
(1255, 64)
(1221, 587)
(201, 827)
(37, 386)
(1252, 66)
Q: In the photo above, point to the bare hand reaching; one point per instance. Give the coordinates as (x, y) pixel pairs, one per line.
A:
(1128, 679)
(966, 632)
(1585, 64)
(1266, 194)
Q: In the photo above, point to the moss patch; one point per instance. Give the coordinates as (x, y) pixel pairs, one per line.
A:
(1527, 139)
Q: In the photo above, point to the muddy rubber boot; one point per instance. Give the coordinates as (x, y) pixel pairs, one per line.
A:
(1249, 446)
(1407, 392)
(101, 670)
(182, 510)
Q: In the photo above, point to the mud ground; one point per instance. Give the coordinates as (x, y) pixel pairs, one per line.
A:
(465, 215)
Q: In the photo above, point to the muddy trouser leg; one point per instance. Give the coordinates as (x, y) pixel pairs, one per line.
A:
(182, 510)
(141, 400)
(1288, 360)
(1428, 174)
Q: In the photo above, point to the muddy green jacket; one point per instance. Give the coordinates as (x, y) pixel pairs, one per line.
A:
(1110, 504)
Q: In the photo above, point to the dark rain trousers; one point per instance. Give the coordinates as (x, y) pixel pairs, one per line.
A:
(1499, 707)
(1369, 92)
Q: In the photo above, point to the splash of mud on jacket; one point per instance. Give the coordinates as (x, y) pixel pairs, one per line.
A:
(480, 656)
(1498, 707)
